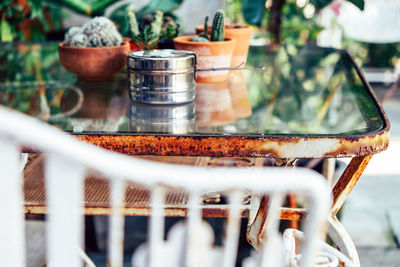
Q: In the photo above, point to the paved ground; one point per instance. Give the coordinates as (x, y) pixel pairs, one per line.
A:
(372, 213)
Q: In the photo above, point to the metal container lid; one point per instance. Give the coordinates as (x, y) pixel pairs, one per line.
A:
(162, 59)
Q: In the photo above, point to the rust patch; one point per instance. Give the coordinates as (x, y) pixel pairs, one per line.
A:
(234, 146)
(218, 146)
(361, 145)
(348, 180)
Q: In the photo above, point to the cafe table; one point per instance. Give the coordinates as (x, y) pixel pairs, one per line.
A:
(307, 103)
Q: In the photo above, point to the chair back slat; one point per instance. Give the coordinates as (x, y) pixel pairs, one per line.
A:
(156, 233)
(116, 225)
(232, 229)
(12, 245)
(64, 180)
(198, 233)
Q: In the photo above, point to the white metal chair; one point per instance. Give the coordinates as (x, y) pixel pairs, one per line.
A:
(67, 159)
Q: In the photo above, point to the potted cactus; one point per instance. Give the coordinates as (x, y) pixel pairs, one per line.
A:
(241, 34)
(213, 50)
(95, 51)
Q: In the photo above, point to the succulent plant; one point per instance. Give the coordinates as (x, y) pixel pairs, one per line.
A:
(145, 36)
(79, 39)
(98, 32)
(217, 31)
(170, 29)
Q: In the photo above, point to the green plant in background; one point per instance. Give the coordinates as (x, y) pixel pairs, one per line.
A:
(33, 19)
(170, 28)
(121, 17)
(276, 16)
(217, 31)
(145, 36)
(28, 19)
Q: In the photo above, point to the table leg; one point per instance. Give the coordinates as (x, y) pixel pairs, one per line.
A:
(347, 181)
(340, 192)
(336, 231)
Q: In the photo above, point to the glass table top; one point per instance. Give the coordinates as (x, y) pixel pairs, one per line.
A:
(303, 91)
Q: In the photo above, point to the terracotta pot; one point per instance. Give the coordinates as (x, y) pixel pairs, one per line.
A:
(94, 63)
(213, 104)
(209, 55)
(242, 35)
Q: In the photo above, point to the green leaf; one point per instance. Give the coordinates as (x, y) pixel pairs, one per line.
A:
(159, 5)
(9, 12)
(320, 4)
(120, 16)
(253, 11)
(6, 33)
(358, 3)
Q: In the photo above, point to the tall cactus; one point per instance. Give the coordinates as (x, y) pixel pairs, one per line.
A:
(218, 32)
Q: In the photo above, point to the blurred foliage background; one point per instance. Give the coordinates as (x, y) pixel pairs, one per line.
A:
(287, 21)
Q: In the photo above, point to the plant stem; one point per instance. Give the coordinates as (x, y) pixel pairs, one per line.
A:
(275, 19)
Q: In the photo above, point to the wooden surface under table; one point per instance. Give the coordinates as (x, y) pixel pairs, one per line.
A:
(137, 197)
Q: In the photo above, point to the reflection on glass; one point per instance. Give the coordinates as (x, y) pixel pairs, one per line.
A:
(171, 119)
(239, 96)
(48, 101)
(222, 103)
(302, 91)
(213, 104)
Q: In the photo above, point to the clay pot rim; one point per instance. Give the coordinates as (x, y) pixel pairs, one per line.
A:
(185, 40)
(229, 27)
(123, 44)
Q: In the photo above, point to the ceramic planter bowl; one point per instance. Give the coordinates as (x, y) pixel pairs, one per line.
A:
(242, 35)
(209, 55)
(94, 63)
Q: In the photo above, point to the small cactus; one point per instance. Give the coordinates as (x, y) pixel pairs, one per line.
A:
(100, 31)
(218, 31)
(79, 40)
(205, 33)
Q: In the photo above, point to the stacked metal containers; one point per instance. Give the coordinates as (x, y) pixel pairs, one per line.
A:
(162, 76)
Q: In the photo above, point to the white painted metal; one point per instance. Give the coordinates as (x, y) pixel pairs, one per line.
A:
(327, 256)
(156, 234)
(67, 159)
(116, 226)
(232, 229)
(64, 178)
(342, 240)
(12, 246)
